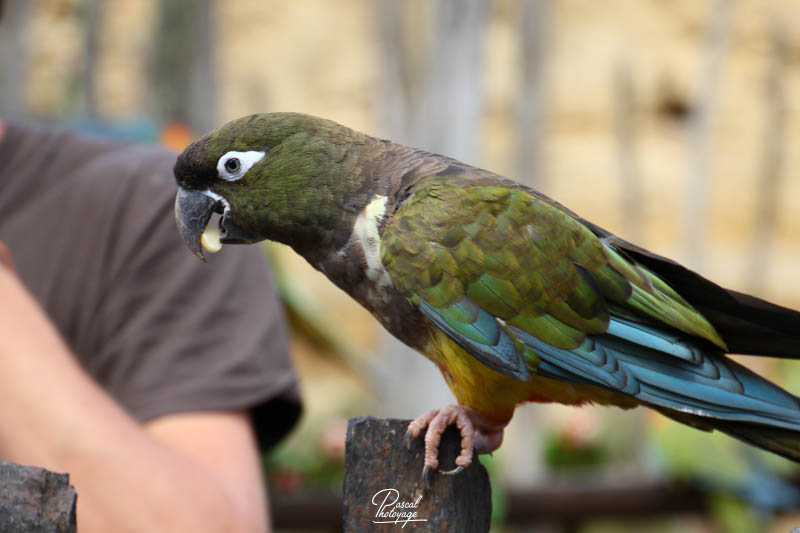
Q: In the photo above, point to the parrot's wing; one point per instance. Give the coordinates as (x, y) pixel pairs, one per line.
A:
(523, 285)
(507, 254)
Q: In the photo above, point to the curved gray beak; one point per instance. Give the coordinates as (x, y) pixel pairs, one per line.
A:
(193, 210)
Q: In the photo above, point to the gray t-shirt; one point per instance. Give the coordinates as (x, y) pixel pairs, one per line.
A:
(91, 228)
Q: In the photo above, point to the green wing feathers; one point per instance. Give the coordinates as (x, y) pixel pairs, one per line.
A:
(523, 260)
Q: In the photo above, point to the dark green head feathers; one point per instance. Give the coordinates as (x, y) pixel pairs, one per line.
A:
(278, 176)
(196, 167)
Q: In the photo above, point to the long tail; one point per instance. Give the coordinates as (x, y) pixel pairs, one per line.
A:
(748, 324)
(680, 376)
(784, 442)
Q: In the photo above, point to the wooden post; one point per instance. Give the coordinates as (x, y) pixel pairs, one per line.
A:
(35, 499)
(383, 486)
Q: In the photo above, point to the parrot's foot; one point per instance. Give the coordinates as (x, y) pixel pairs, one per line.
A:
(477, 434)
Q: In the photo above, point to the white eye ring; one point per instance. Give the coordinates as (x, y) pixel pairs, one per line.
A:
(233, 165)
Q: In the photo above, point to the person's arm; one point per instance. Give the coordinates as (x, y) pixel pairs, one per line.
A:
(181, 472)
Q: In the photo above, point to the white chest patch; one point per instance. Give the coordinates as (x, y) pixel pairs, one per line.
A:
(365, 234)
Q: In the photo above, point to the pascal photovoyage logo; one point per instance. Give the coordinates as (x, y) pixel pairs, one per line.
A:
(393, 510)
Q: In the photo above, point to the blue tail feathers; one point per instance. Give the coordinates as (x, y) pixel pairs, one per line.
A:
(681, 377)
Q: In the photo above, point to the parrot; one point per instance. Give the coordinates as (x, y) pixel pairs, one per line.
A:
(514, 297)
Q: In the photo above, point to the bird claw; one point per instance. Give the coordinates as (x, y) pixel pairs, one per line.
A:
(453, 472)
(409, 438)
(488, 436)
(427, 476)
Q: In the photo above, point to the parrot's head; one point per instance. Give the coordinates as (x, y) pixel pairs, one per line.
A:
(277, 176)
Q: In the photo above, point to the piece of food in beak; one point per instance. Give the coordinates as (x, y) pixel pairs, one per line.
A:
(209, 240)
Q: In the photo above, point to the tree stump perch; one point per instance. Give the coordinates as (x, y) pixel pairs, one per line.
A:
(383, 486)
(35, 500)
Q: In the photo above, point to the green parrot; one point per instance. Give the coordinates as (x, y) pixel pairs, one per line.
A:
(513, 296)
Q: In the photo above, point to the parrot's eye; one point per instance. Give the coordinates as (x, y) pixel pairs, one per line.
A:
(234, 165)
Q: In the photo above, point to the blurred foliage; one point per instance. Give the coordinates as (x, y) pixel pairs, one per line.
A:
(745, 486)
(733, 515)
(567, 455)
(309, 461)
(499, 500)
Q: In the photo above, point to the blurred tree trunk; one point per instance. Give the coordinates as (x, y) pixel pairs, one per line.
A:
(630, 178)
(13, 56)
(84, 84)
(701, 128)
(772, 157)
(448, 118)
(391, 109)
(530, 111)
(430, 96)
(183, 73)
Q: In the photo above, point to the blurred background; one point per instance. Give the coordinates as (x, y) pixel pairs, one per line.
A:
(673, 123)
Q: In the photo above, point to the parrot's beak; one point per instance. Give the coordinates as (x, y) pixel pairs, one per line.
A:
(193, 210)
